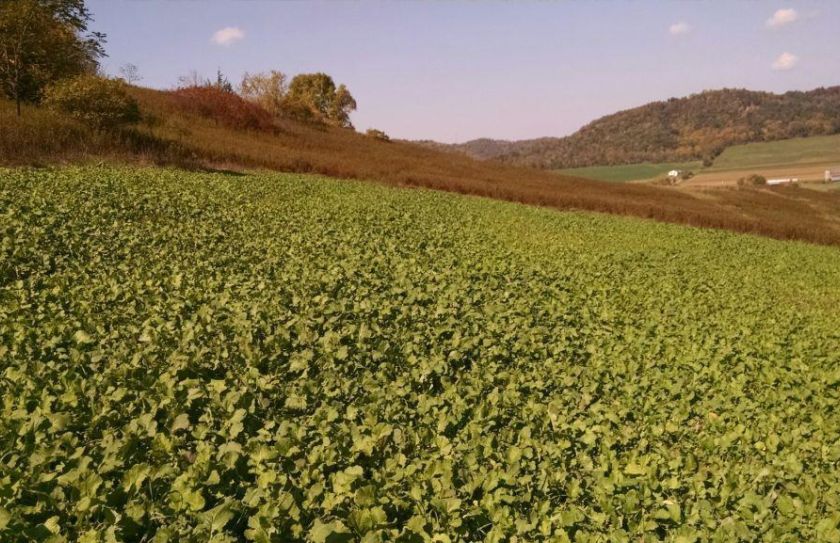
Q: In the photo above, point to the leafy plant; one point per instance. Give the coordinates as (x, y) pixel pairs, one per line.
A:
(203, 357)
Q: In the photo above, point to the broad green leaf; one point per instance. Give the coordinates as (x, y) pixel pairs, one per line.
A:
(330, 532)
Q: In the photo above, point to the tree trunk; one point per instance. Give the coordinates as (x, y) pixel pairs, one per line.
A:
(17, 102)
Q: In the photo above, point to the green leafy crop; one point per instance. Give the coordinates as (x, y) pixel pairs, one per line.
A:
(281, 358)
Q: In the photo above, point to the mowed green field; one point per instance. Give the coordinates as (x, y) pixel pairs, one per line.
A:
(210, 357)
(631, 172)
(815, 150)
(783, 158)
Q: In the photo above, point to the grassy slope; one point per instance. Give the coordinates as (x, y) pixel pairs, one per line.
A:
(630, 172)
(171, 136)
(428, 362)
(816, 150)
(802, 158)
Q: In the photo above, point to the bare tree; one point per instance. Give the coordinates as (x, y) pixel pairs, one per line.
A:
(130, 73)
(192, 79)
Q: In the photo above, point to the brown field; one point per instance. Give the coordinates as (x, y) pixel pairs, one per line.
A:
(170, 134)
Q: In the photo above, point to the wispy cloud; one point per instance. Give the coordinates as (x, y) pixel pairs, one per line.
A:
(785, 61)
(228, 35)
(678, 29)
(782, 17)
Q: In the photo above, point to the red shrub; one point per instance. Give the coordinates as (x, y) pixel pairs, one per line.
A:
(225, 108)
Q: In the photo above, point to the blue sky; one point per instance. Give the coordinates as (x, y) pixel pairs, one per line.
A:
(456, 70)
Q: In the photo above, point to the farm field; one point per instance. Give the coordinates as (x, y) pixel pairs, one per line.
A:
(814, 150)
(802, 158)
(811, 176)
(287, 357)
(631, 172)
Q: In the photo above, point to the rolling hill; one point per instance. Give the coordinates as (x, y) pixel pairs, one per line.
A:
(177, 133)
(698, 127)
(798, 151)
(802, 158)
(805, 159)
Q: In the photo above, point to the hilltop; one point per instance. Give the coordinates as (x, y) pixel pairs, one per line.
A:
(697, 127)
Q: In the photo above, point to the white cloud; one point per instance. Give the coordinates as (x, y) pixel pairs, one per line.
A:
(782, 17)
(786, 61)
(228, 35)
(677, 29)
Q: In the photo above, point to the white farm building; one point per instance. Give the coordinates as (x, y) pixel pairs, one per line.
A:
(782, 181)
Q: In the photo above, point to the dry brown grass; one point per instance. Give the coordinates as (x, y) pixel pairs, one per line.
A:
(171, 134)
(39, 134)
(41, 137)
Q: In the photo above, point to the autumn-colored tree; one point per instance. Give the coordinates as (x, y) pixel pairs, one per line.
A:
(42, 41)
(267, 90)
(342, 105)
(100, 102)
(315, 96)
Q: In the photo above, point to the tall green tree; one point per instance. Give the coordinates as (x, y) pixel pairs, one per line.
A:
(42, 41)
(317, 96)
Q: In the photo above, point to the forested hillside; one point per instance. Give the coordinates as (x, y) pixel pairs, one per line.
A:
(698, 127)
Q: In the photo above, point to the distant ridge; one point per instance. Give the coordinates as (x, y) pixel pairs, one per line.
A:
(482, 148)
(697, 127)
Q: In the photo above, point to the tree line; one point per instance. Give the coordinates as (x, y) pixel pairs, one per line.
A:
(307, 97)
